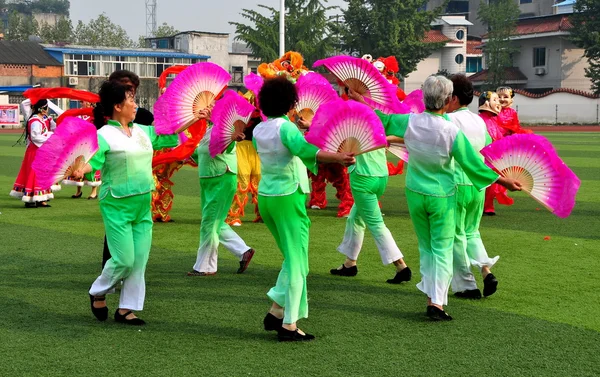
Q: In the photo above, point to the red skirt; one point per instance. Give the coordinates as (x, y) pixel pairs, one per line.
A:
(26, 186)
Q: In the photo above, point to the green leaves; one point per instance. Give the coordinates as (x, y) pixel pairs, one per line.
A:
(586, 34)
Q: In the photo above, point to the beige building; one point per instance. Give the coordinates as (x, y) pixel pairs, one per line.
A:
(545, 58)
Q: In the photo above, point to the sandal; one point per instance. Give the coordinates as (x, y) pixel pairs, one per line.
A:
(100, 313)
(122, 318)
(92, 197)
(77, 196)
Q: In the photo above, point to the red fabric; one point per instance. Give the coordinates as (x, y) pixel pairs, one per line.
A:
(400, 94)
(508, 119)
(84, 111)
(498, 192)
(185, 150)
(174, 70)
(36, 94)
(338, 176)
(395, 170)
(491, 122)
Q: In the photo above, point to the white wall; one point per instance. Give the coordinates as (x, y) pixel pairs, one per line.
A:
(425, 68)
(554, 108)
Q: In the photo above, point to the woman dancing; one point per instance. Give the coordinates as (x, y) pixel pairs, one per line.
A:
(125, 159)
(282, 192)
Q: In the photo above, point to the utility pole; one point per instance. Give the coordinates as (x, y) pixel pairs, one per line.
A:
(282, 28)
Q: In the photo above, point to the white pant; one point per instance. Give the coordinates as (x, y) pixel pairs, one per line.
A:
(206, 261)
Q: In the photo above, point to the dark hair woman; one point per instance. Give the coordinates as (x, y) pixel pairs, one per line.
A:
(284, 156)
(125, 160)
(37, 130)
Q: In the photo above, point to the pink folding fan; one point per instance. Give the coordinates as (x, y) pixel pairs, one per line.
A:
(231, 114)
(70, 147)
(532, 160)
(192, 91)
(362, 77)
(313, 91)
(346, 126)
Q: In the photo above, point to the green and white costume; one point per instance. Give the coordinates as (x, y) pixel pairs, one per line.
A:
(433, 142)
(368, 180)
(126, 165)
(218, 182)
(468, 247)
(284, 156)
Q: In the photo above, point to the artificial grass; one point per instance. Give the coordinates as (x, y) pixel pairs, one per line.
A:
(542, 321)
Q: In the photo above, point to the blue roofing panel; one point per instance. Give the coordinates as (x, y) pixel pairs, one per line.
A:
(20, 88)
(157, 54)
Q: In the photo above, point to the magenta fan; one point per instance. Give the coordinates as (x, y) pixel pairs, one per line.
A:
(399, 150)
(313, 91)
(362, 77)
(230, 114)
(532, 160)
(192, 91)
(346, 126)
(253, 82)
(414, 100)
(70, 147)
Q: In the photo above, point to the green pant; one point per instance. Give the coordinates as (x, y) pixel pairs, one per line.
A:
(128, 226)
(286, 218)
(216, 194)
(365, 213)
(468, 247)
(433, 219)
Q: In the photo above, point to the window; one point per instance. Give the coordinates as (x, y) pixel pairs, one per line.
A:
(539, 56)
(460, 35)
(459, 59)
(474, 64)
(237, 74)
(525, 1)
(458, 6)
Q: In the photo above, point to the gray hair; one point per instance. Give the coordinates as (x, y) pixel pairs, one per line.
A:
(436, 90)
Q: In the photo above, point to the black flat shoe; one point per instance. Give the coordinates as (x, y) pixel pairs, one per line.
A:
(490, 284)
(92, 197)
(285, 335)
(101, 314)
(122, 318)
(43, 205)
(246, 258)
(345, 271)
(77, 196)
(489, 214)
(402, 276)
(30, 205)
(272, 323)
(437, 314)
(473, 294)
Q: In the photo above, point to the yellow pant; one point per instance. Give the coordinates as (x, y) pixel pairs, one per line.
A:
(248, 177)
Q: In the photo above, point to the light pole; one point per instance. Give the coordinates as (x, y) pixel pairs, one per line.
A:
(282, 28)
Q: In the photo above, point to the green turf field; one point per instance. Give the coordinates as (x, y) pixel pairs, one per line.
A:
(544, 319)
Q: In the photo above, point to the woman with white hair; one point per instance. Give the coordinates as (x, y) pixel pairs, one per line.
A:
(433, 142)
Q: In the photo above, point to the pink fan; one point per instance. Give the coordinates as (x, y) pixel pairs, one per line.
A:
(362, 77)
(70, 147)
(415, 101)
(253, 82)
(532, 160)
(192, 91)
(346, 126)
(399, 150)
(231, 114)
(313, 91)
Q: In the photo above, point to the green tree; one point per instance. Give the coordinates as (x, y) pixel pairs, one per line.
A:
(390, 27)
(21, 27)
(61, 32)
(40, 6)
(101, 32)
(501, 18)
(164, 30)
(308, 30)
(586, 34)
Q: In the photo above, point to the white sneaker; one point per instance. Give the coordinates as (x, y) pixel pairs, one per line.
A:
(315, 207)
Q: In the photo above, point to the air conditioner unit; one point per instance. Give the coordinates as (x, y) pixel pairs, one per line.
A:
(73, 80)
(540, 71)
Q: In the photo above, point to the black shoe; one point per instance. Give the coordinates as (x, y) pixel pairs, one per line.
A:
(100, 313)
(437, 314)
(272, 323)
(404, 275)
(246, 258)
(490, 284)
(122, 318)
(285, 335)
(473, 294)
(30, 205)
(489, 214)
(345, 271)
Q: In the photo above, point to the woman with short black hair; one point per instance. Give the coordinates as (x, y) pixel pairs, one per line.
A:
(284, 156)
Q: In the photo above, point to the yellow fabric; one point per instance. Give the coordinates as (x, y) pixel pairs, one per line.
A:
(248, 178)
